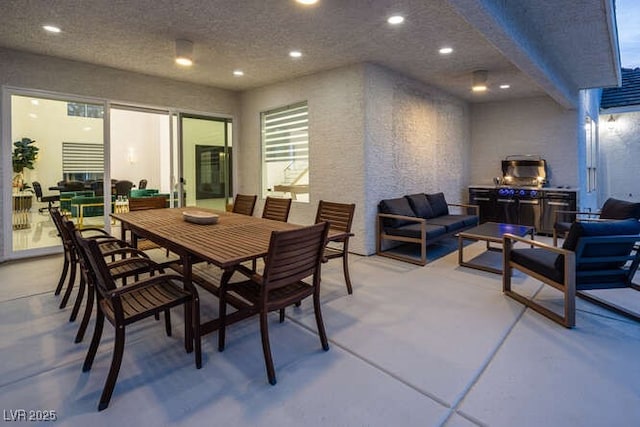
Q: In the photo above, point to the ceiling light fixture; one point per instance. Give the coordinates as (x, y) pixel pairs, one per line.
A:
(51, 28)
(611, 122)
(480, 81)
(395, 19)
(445, 50)
(307, 2)
(295, 54)
(184, 52)
(505, 86)
(238, 73)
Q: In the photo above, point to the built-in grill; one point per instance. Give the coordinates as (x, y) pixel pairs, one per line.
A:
(520, 195)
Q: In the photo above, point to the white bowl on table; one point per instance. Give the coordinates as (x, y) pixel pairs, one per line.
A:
(200, 217)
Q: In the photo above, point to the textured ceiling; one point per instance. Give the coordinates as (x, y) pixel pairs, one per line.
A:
(256, 36)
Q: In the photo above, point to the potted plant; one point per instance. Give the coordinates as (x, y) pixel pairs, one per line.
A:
(24, 156)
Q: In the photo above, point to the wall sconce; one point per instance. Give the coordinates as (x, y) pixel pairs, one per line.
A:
(184, 52)
(131, 156)
(480, 81)
(611, 122)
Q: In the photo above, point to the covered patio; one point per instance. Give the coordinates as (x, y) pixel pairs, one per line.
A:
(428, 346)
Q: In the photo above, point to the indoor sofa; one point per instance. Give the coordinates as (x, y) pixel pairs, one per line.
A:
(421, 219)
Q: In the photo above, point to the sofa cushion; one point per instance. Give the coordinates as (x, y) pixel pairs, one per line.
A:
(619, 209)
(399, 206)
(454, 222)
(420, 205)
(438, 204)
(413, 230)
(602, 228)
(539, 260)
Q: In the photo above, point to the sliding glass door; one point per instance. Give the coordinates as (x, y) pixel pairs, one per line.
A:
(206, 161)
(54, 142)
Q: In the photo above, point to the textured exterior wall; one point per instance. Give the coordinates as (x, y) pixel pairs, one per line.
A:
(524, 126)
(619, 154)
(417, 140)
(373, 134)
(336, 164)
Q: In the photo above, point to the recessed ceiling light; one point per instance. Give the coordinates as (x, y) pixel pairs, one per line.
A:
(445, 50)
(52, 28)
(295, 54)
(238, 73)
(505, 86)
(86, 128)
(307, 1)
(33, 115)
(35, 102)
(395, 19)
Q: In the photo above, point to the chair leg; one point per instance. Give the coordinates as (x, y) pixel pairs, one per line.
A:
(95, 341)
(86, 317)
(78, 303)
(319, 322)
(110, 384)
(194, 328)
(345, 268)
(266, 348)
(281, 315)
(72, 279)
(222, 312)
(167, 322)
(63, 276)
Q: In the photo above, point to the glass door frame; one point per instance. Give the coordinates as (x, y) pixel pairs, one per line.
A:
(8, 92)
(228, 120)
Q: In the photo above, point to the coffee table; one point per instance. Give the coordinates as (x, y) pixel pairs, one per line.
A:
(490, 232)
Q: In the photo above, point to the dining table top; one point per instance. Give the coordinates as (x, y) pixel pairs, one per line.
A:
(233, 239)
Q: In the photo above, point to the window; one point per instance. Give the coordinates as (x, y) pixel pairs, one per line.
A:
(285, 152)
(82, 161)
(78, 109)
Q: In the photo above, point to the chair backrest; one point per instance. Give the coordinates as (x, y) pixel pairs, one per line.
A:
(142, 184)
(56, 217)
(142, 203)
(294, 255)
(37, 188)
(96, 265)
(98, 187)
(619, 209)
(607, 253)
(123, 188)
(338, 215)
(244, 204)
(276, 209)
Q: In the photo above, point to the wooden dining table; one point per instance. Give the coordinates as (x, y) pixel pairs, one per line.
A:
(233, 240)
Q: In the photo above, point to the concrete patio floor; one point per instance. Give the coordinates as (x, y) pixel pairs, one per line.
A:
(413, 346)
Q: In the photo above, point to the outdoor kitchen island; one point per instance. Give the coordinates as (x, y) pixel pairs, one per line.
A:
(524, 205)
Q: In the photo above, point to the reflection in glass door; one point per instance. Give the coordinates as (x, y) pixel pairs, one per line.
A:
(68, 136)
(206, 161)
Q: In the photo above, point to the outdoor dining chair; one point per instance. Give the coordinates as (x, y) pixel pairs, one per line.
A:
(294, 255)
(340, 217)
(244, 204)
(123, 306)
(276, 209)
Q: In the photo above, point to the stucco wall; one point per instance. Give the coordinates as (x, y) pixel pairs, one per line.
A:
(336, 162)
(417, 140)
(525, 126)
(619, 154)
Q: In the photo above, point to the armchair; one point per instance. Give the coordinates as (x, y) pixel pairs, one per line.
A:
(612, 209)
(595, 255)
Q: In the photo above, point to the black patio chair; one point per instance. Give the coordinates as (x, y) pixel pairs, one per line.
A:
(50, 200)
(594, 256)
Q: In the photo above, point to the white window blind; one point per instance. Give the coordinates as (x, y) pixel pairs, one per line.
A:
(286, 133)
(81, 157)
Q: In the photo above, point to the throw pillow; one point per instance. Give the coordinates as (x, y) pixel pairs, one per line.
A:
(420, 205)
(438, 204)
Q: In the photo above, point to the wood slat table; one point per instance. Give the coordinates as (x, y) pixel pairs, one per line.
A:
(234, 239)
